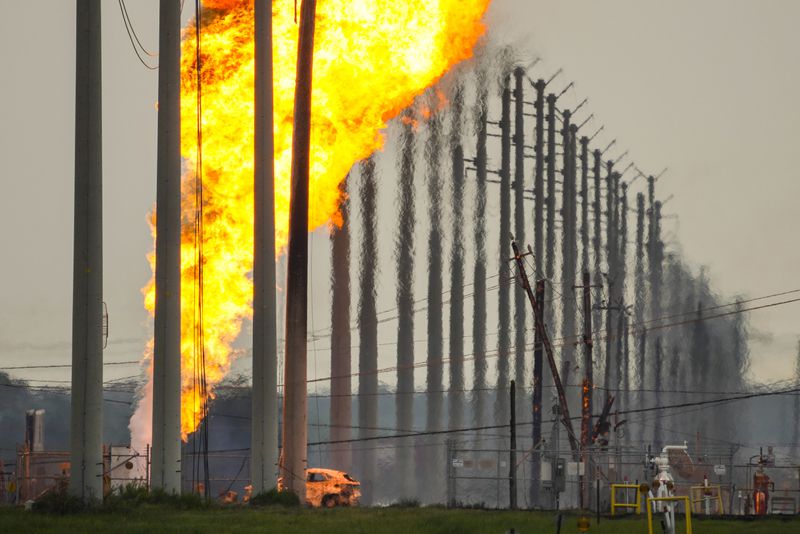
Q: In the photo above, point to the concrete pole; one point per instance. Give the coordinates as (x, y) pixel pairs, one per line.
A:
(479, 277)
(610, 362)
(86, 428)
(503, 300)
(404, 397)
(584, 157)
(166, 453)
(567, 250)
(551, 192)
(341, 365)
(538, 180)
(640, 295)
(264, 430)
(519, 221)
(536, 434)
(597, 242)
(295, 405)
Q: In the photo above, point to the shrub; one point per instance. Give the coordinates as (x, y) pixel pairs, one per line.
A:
(275, 497)
(58, 501)
(405, 503)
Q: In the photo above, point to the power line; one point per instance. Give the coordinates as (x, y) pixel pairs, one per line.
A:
(62, 366)
(622, 412)
(134, 39)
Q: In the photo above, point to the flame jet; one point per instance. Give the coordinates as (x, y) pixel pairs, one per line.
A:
(363, 48)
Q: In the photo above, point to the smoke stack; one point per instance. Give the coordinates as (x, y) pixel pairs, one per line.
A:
(86, 425)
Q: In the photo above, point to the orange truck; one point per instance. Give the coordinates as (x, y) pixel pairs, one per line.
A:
(328, 488)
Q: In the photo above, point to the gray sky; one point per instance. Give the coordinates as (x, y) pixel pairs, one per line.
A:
(707, 88)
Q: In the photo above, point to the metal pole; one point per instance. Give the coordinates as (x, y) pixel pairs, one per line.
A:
(264, 430)
(166, 449)
(512, 454)
(86, 425)
(295, 406)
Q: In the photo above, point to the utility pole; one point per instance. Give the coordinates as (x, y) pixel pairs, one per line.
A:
(86, 423)
(519, 218)
(165, 469)
(295, 404)
(264, 429)
(587, 390)
(538, 179)
(479, 277)
(512, 454)
(503, 304)
(551, 360)
(538, 346)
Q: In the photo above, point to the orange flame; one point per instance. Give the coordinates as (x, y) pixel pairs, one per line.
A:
(372, 58)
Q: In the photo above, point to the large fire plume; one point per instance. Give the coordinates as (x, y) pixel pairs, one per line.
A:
(372, 58)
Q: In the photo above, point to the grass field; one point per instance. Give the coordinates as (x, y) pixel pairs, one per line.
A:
(153, 518)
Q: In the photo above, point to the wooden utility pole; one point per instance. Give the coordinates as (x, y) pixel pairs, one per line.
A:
(295, 403)
(551, 360)
(588, 379)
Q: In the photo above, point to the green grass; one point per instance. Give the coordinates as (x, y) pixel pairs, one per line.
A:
(166, 518)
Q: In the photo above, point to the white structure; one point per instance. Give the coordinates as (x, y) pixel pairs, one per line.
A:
(664, 486)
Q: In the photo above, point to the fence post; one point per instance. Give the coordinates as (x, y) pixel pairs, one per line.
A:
(449, 469)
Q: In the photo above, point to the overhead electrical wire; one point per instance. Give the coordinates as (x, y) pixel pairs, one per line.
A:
(136, 43)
